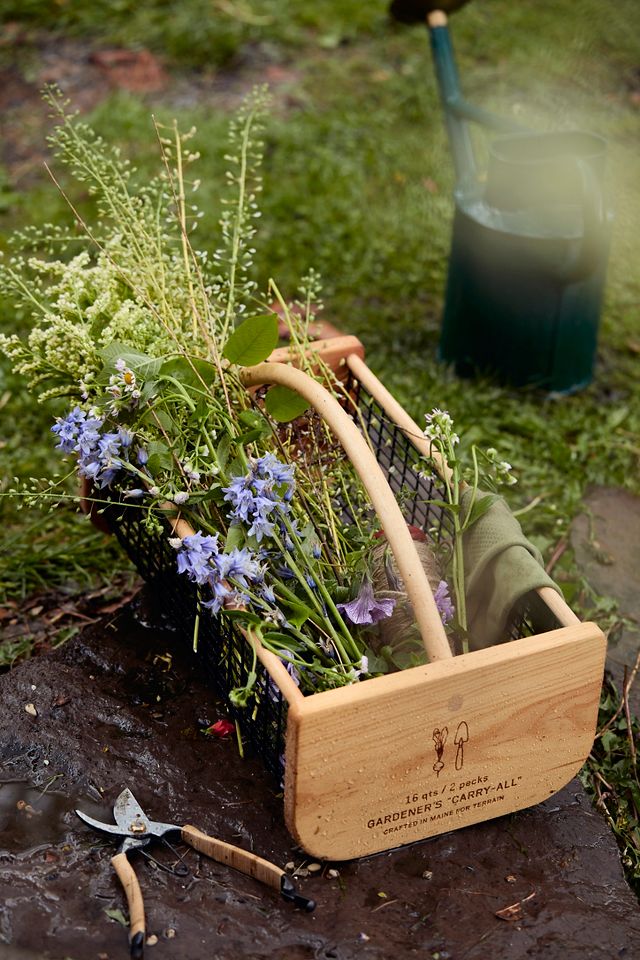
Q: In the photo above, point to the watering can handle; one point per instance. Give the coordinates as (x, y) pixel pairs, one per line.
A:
(584, 261)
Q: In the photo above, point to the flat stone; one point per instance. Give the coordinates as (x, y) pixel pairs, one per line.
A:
(546, 882)
(606, 542)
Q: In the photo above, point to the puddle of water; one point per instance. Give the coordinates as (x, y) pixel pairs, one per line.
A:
(31, 818)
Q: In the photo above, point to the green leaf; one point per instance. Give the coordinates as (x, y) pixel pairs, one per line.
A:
(300, 613)
(138, 362)
(159, 457)
(222, 451)
(244, 616)
(214, 493)
(479, 508)
(284, 404)
(251, 418)
(283, 640)
(252, 435)
(191, 372)
(252, 341)
(118, 916)
(166, 421)
(235, 537)
(617, 417)
(445, 505)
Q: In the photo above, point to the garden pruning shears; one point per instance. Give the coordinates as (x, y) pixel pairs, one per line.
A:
(136, 831)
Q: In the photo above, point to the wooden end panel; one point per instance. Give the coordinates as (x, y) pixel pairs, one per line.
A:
(333, 352)
(435, 748)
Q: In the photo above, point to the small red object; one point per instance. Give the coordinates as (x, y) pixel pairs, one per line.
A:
(221, 728)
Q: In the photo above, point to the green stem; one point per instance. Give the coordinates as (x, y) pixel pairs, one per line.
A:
(328, 599)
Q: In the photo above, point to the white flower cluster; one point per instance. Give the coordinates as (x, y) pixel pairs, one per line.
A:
(440, 427)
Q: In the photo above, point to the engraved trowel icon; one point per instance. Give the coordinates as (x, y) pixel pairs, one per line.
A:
(461, 737)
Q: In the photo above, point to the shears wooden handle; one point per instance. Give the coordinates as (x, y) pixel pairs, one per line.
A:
(247, 863)
(242, 860)
(129, 881)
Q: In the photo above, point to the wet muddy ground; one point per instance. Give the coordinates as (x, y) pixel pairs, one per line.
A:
(110, 709)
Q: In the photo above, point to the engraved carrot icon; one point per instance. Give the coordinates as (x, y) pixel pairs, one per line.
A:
(439, 739)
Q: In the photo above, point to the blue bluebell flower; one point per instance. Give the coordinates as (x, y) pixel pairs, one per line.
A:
(194, 555)
(258, 498)
(270, 467)
(268, 594)
(240, 565)
(67, 429)
(226, 575)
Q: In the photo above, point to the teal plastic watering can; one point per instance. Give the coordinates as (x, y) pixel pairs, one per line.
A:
(530, 243)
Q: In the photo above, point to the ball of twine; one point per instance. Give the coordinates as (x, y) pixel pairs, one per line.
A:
(387, 582)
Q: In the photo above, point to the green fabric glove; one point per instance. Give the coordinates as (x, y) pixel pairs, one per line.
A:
(501, 566)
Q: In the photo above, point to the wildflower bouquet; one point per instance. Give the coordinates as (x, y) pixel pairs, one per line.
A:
(145, 339)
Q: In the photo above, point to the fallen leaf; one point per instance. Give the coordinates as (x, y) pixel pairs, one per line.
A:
(61, 700)
(118, 916)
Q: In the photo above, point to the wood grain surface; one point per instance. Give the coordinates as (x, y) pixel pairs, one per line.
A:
(413, 754)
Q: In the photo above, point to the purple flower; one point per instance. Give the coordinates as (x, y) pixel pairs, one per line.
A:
(240, 566)
(221, 593)
(200, 558)
(109, 447)
(268, 593)
(261, 497)
(194, 555)
(100, 456)
(365, 609)
(89, 436)
(443, 602)
(67, 429)
(270, 467)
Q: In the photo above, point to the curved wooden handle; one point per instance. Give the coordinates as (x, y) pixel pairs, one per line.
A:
(393, 523)
(131, 887)
(235, 857)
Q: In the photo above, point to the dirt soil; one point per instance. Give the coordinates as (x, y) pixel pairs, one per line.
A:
(606, 541)
(88, 73)
(118, 706)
